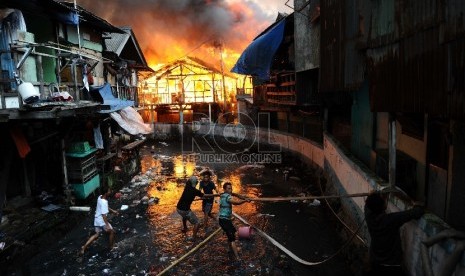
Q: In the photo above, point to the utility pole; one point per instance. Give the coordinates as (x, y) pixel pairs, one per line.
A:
(222, 77)
(74, 64)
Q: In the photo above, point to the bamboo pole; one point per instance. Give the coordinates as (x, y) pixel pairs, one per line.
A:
(190, 252)
(307, 197)
(297, 198)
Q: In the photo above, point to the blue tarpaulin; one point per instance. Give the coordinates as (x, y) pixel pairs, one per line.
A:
(10, 26)
(257, 57)
(104, 95)
(70, 18)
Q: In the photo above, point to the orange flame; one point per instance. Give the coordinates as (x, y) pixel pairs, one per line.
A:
(168, 30)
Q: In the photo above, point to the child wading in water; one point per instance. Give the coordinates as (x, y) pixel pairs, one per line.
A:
(101, 222)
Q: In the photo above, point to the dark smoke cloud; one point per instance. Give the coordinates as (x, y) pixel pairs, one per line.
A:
(174, 27)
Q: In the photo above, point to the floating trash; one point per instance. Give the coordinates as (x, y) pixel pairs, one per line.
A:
(79, 208)
(315, 202)
(124, 207)
(125, 190)
(265, 215)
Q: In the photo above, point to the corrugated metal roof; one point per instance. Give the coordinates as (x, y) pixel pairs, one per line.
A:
(344, 31)
(117, 42)
(332, 46)
(415, 53)
(126, 47)
(421, 67)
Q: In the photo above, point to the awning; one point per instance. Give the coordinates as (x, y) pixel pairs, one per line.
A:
(104, 95)
(257, 57)
(131, 121)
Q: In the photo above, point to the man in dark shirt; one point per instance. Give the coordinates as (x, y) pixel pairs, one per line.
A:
(385, 248)
(207, 186)
(184, 205)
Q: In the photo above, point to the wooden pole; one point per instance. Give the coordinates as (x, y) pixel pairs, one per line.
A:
(190, 252)
(40, 74)
(297, 198)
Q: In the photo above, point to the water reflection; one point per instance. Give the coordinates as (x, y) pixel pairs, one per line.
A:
(284, 221)
(149, 237)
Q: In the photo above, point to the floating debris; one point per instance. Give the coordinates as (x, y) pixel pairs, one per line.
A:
(79, 208)
(265, 215)
(315, 202)
(125, 190)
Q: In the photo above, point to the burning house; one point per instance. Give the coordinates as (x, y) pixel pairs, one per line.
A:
(189, 89)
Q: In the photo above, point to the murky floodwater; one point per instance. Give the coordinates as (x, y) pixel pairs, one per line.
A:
(149, 236)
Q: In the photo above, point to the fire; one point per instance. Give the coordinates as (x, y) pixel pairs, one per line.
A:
(216, 31)
(187, 81)
(167, 30)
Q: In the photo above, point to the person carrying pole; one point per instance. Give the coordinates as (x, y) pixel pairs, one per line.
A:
(385, 248)
(225, 216)
(207, 186)
(184, 206)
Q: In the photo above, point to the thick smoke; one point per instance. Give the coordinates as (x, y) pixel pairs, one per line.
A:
(169, 29)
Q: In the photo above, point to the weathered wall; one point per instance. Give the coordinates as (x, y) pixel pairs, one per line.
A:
(353, 175)
(362, 125)
(411, 146)
(417, 150)
(310, 151)
(306, 36)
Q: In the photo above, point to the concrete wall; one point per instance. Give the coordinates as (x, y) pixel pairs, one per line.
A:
(311, 152)
(352, 175)
(348, 175)
(306, 37)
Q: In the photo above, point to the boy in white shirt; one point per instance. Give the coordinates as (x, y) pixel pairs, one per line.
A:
(101, 222)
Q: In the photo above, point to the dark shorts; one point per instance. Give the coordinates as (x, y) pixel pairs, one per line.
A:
(207, 207)
(189, 215)
(228, 228)
(99, 229)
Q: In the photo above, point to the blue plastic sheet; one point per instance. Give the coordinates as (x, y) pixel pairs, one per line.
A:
(104, 95)
(257, 58)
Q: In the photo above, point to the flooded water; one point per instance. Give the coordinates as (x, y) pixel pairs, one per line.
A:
(149, 236)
